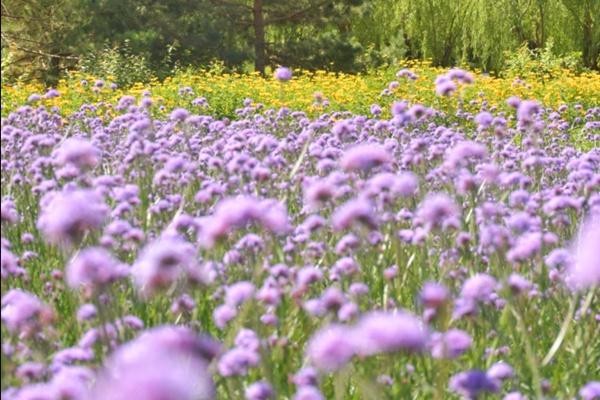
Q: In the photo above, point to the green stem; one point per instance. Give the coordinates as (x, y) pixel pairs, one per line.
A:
(531, 359)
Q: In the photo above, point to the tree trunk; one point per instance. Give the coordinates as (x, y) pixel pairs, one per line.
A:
(590, 51)
(259, 37)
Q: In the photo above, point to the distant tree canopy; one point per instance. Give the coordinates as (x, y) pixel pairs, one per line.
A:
(43, 38)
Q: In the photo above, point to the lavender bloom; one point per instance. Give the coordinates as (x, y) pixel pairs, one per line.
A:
(514, 396)
(331, 348)
(9, 211)
(23, 312)
(52, 93)
(438, 211)
(513, 101)
(450, 344)
(585, 270)
(308, 393)
(260, 390)
(306, 377)
(591, 391)
(462, 153)
(527, 110)
(79, 153)
(95, 267)
(434, 295)
(164, 363)
(365, 157)
(237, 361)
(379, 332)
(223, 314)
(239, 293)
(318, 193)
(527, 246)
(283, 74)
(161, 263)
(33, 98)
(357, 210)
(500, 371)
(484, 119)
(470, 384)
(460, 75)
(518, 284)
(235, 213)
(479, 287)
(179, 114)
(86, 312)
(66, 216)
(445, 87)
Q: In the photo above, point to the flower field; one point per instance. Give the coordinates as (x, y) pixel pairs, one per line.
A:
(415, 234)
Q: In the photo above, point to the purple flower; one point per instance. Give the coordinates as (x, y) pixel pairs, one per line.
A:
(470, 384)
(179, 114)
(385, 332)
(460, 75)
(237, 361)
(365, 157)
(500, 371)
(450, 344)
(260, 390)
(163, 363)
(235, 213)
(52, 93)
(161, 263)
(239, 293)
(479, 287)
(308, 393)
(514, 396)
(462, 153)
(527, 110)
(317, 193)
(434, 295)
(306, 377)
(283, 74)
(484, 119)
(526, 247)
(67, 215)
(94, 266)
(8, 211)
(33, 98)
(223, 314)
(86, 312)
(445, 87)
(585, 270)
(591, 391)
(356, 210)
(23, 312)
(513, 101)
(438, 211)
(331, 348)
(518, 284)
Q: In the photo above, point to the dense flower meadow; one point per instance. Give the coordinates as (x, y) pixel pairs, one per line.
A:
(418, 250)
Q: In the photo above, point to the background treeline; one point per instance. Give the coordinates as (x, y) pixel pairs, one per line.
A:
(133, 40)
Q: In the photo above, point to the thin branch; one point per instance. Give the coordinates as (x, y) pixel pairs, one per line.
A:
(44, 54)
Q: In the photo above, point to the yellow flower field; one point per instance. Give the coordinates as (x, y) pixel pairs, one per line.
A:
(226, 92)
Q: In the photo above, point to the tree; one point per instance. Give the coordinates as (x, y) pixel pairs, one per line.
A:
(303, 19)
(586, 17)
(40, 36)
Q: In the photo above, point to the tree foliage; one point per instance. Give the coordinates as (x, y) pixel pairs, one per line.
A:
(43, 38)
